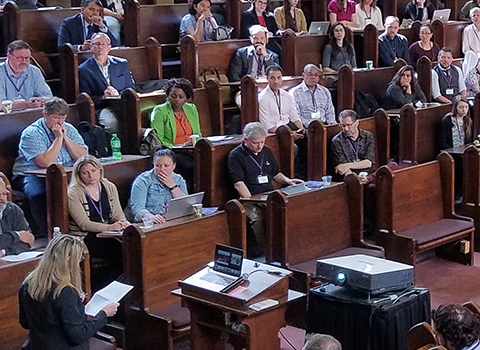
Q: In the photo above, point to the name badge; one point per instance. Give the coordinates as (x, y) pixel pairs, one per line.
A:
(368, 21)
(262, 179)
(315, 115)
(449, 91)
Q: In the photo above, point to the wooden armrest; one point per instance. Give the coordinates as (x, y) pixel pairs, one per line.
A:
(106, 337)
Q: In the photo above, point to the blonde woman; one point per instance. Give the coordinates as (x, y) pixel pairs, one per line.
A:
(51, 300)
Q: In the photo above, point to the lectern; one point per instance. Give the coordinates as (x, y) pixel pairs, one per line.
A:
(237, 317)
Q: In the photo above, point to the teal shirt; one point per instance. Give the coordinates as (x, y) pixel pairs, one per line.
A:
(162, 120)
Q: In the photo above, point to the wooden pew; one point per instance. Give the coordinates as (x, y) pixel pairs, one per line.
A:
(38, 28)
(471, 189)
(137, 109)
(421, 336)
(145, 63)
(14, 123)
(211, 164)
(449, 35)
(416, 213)
(320, 138)
(155, 260)
(373, 81)
(122, 174)
(418, 133)
(250, 88)
(297, 236)
(196, 56)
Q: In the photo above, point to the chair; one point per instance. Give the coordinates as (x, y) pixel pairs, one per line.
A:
(421, 336)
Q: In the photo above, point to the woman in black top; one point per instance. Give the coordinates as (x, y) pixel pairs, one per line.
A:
(404, 89)
(419, 10)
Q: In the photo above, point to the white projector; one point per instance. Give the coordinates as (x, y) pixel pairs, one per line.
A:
(365, 273)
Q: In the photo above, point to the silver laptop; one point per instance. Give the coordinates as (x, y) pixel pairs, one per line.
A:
(227, 265)
(442, 15)
(319, 28)
(182, 206)
(294, 189)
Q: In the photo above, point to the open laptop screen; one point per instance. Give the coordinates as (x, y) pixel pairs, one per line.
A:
(228, 260)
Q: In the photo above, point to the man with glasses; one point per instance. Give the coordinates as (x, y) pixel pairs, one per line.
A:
(471, 33)
(46, 141)
(20, 81)
(312, 100)
(15, 235)
(104, 76)
(353, 149)
(391, 45)
(78, 30)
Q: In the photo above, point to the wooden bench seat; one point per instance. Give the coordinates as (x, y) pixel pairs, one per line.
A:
(416, 213)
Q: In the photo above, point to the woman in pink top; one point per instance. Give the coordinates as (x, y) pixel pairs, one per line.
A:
(342, 11)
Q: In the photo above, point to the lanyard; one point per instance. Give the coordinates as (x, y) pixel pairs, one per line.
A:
(391, 44)
(9, 78)
(182, 121)
(314, 103)
(354, 149)
(259, 165)
(278, 100)
(98, 208)
(447, 77)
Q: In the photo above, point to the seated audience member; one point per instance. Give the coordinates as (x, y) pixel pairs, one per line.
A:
(20, 81)
(464, 14)
(312, 100)
(113, 15)
(369, 13)
(419, 10)
(339, 51)
(94, 206)
(254, 59)
(447, 79)
(353, 149)
(79, 29)
(51, 300)
(48, 140)
(199, 22)
(472, 80)
(321, 342)
(404, 89)
(15, 236)
(456, 127)
(103, 76)
(424, 47)
(175, 121)
(289, 16)
(458, 327)
(252, 168)
(392, 45)
(342, 11)
(153, 189)
(470, 35)
(258, 14)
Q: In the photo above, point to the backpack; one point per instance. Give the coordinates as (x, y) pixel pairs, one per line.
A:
(150, 142)
(96, 138)
(365, 104)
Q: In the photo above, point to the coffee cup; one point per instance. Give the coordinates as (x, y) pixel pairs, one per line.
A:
(7, 106)
(194, 139)
(369, 64)
(197, 210)
(327, 180)
(147, 221)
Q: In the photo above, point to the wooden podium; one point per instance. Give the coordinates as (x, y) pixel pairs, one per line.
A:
(218, 319)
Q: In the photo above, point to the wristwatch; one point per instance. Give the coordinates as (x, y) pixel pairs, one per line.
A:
(172, 188)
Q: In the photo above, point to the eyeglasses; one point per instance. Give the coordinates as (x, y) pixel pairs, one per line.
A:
(313, 75)
(100, 44)
(424, 33)
(338, 30)
(6, 193)
(344, 126)
(21, 58)
(262, 3)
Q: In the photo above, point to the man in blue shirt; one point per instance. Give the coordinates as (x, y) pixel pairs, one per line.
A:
(20, 81)
(392, 45)
(48, 140)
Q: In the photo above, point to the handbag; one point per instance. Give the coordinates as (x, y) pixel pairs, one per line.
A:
(212, 73)
(222, 32)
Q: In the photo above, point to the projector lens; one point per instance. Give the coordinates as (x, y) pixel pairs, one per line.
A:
(341, 278)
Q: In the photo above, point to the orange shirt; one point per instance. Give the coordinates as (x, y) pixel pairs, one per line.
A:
(184, 129)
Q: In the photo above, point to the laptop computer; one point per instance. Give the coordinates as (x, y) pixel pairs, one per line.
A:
(319, 28)
(227, 265)
(442, 15)
(182, 206)
(294, 189)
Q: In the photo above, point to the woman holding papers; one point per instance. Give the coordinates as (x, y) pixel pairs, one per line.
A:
(51, 300)
(153, 189)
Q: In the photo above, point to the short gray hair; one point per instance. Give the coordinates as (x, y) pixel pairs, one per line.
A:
(321, 342)
(473, 10)
(348, 113)
(257, 28)
(254, 130)
(55, 105)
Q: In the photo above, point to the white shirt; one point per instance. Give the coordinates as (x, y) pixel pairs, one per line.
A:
(276, 110)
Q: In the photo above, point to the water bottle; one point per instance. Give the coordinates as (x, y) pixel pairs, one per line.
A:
(116, 147)
(56, 231)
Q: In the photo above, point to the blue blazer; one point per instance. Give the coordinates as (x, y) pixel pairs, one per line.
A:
(93, 82)
(71, 31)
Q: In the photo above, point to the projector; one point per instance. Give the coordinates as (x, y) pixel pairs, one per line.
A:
(365, 273)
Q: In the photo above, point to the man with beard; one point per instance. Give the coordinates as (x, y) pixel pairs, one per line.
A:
(15, 236)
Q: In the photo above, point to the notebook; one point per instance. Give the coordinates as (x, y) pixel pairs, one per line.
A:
(442, 15)
(319, 28)
(182, 206)
(227, 265)
(294, 189)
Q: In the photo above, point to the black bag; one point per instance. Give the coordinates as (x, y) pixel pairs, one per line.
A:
(96, 138)
(150, 85)
(365, 104)
(150, 142)
(223, 32)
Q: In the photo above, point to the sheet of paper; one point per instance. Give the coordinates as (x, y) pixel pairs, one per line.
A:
(110, 294)
(219, 138)
(22, 256)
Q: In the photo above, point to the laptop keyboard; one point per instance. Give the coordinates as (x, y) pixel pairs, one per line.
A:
(217, 279)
